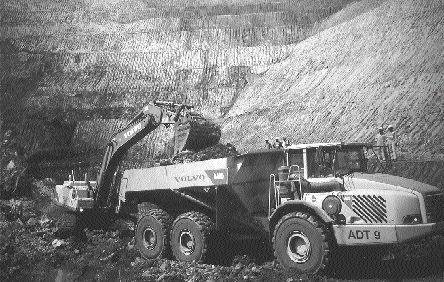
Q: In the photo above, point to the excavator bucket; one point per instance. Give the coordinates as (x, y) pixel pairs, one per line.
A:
(193, 132)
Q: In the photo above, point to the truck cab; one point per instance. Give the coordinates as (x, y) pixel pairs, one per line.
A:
(322, 170)
(318, 167)
(323, 160)
(323, 193)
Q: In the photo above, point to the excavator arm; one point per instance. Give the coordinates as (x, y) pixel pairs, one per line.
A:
(151, 116)
(191, 132)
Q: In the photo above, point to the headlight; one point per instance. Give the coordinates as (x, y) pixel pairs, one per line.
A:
(412, 219)
(332, 205)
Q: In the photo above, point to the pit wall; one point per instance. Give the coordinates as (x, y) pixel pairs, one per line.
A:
(87, 58)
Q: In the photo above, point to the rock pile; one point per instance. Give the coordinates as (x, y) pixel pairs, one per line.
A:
(13, 166)
(213, 152)
(30, 247)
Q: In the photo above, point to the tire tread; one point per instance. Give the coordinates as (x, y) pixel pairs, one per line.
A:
(206, 226)
(165, 220)
(320, 227)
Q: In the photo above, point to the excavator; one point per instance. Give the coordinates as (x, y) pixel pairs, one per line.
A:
(191, 132)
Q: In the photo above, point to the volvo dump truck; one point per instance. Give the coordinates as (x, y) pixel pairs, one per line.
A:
(307, 201)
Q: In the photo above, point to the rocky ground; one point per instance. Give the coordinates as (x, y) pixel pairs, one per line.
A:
(33, 247)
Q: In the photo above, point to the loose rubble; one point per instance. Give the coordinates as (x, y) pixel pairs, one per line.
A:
(213, 152)
(13, 165)
(31, 249)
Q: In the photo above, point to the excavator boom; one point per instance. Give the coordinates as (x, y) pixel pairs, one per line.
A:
(189, 133)
(147, 120)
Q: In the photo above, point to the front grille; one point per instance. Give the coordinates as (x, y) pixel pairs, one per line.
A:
(434, 204)
(371, 208)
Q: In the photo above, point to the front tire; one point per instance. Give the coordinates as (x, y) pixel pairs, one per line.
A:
(152, 233)
(190, 236)
(301, 243)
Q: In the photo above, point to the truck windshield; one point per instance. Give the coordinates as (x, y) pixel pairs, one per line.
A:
(348, 160)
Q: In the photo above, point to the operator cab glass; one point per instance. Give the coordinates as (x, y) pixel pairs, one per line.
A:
(328, 161)
(296, 158)
(321, 161)
(350, 159)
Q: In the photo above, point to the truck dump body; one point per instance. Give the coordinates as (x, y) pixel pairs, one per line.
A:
(196, 174)
(236, 188)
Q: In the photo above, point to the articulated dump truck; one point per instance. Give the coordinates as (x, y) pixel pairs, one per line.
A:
(307, 201)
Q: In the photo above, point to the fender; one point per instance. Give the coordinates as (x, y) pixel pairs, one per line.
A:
(297, 205)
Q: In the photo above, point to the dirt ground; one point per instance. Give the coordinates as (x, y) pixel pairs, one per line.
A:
(33, 247)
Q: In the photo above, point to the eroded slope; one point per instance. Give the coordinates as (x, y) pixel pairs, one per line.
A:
(91, 64)
(383, 67)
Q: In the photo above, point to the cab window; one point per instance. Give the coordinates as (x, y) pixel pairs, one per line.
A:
(350, 160)
(296, 158)
(313, 167)
(320, 161)
(325, 158)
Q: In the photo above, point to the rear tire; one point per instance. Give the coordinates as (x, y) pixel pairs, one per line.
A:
(152, 232)
(300, 242)
(190, 236)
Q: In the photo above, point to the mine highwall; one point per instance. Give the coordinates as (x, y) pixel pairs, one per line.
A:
(91, 67)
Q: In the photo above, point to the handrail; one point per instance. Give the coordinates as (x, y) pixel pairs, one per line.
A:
(299, 178)
(272, 181)
(387, 157)
(276, 193)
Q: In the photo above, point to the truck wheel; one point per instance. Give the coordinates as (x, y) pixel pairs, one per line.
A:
(190, 236)
(152, 231)
(300, 242)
